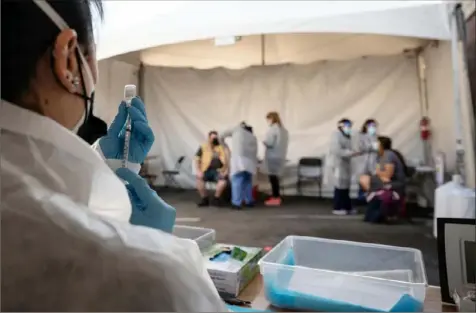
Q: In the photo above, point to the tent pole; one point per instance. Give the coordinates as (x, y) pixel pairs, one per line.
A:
(140, 81)
(422, 89)
(455, 58)
(263, 50)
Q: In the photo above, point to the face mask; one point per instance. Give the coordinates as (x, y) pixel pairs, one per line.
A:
(375, 146)
(91, 126)
(347, 130)
(371, 130)
(215, 142)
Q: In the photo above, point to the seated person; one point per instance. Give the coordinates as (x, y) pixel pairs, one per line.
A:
(212, 165)
(391, 169)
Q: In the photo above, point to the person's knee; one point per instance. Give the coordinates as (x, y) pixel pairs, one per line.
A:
(364, 180)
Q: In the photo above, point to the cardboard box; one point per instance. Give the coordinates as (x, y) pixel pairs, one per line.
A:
(230, 276)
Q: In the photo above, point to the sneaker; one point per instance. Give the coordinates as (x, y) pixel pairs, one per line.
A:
(204, 202)
(273, 202)
(250, 205)
(339, 212)
(216, 202)
(236, 207)
(353, 212)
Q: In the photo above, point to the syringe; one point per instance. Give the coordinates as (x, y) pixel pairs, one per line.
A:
(129, 94)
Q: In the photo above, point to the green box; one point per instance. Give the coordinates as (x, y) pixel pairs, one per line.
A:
(232, 276)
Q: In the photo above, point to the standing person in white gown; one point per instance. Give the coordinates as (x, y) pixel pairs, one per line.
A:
(243, 163)
(338, 167)
(276, 145)
(67, 237)
(367, 142)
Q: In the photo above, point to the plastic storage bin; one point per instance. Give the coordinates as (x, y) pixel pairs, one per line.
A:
(204, 237)
(305, 273)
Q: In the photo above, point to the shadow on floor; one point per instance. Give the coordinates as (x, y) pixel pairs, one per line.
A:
(264, 226)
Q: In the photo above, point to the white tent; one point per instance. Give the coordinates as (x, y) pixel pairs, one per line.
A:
(211, 64)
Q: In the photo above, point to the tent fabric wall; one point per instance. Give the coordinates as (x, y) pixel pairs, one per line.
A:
(277, 49)
(151, 23)
(113, 76)
(441, 109)
(183, 104)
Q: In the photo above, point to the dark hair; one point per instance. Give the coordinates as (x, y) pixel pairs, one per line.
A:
(386, 144)
(345, 121)
(28, 33)
(212, 132)
(366, 124)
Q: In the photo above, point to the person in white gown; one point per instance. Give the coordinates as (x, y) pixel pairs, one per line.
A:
(74, 235)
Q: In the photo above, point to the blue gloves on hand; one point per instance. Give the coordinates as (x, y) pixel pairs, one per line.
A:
(142, 137)
(148, 209)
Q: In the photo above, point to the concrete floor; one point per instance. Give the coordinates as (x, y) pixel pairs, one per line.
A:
(263, 226)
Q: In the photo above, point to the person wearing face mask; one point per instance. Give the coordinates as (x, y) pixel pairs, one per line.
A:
(276, 145)
(338, 167)
(74, 236)
(367, 143)
(211, 165)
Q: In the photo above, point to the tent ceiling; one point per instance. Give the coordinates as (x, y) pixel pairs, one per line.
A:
(278, 49)
(138, 25)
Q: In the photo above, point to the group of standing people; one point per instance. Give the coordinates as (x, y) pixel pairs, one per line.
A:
(215, 162)
(368, 157)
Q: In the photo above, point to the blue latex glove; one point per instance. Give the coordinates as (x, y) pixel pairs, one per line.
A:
(148, 209)
(142, 137)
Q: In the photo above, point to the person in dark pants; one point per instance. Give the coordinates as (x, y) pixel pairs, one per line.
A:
(338, 167)
(276, 144)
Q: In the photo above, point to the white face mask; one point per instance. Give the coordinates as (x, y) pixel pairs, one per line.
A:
(347, 130)
(371, 130)
(375, 145)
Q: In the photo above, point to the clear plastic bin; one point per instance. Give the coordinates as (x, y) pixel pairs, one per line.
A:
(204, 237)
(315, 274)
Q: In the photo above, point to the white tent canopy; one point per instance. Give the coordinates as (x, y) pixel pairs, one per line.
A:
(137, 25)
(324, 60)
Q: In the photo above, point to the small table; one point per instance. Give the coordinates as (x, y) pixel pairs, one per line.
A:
(254, 293)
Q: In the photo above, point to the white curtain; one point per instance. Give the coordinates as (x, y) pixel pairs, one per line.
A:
(113, 76)
(184, 104)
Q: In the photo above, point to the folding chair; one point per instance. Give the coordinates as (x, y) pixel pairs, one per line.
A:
(309, 170)
(169, 175)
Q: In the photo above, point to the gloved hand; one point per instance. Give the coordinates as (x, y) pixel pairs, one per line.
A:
(148, 209)
(142, 137)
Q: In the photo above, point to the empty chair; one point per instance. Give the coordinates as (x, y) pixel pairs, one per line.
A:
(169, 175)
(309, 170)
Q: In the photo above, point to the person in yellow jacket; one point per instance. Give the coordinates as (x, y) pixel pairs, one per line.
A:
(211, 165)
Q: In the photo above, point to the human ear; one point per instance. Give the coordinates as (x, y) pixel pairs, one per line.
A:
(65, 64)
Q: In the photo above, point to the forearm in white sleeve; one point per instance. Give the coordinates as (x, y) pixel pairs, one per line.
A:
(115, 164)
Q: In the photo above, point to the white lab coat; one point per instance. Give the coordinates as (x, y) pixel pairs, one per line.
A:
(244, 150)
(366, 163)
(67, 244)
(338, 170)
(276, 143)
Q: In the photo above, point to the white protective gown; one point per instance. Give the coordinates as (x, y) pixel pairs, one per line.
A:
(276, 143)
(66, 241)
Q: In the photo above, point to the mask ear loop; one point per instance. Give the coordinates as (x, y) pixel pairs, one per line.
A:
(62, 25)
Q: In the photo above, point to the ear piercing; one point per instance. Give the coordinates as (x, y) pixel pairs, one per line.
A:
(75, 81)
